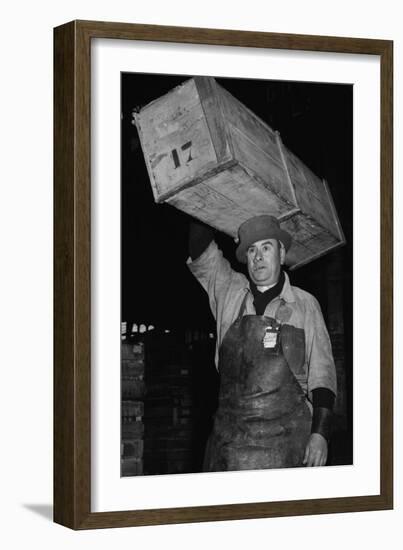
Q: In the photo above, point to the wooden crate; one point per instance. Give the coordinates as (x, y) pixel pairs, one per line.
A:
(211, 157)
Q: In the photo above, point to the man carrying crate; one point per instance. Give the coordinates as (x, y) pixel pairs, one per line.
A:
(277, 373)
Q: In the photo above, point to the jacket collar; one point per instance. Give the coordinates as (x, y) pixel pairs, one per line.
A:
(287, 293)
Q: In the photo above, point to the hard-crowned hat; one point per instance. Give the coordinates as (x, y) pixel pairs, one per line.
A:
(258, 229)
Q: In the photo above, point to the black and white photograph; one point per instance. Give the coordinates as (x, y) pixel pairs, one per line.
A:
(201, 259)
(236, 274)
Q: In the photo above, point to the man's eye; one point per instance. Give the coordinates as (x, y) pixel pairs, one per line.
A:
(251, 251)
(266, 248)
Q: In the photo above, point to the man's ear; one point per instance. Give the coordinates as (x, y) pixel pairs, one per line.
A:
(282, 253)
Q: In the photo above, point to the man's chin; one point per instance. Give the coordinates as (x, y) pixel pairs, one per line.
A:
(260, 281)
(260, 275)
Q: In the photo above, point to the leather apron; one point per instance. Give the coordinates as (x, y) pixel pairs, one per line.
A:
(262, 420)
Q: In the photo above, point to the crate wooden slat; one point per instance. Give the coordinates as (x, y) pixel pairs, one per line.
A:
(213, 158)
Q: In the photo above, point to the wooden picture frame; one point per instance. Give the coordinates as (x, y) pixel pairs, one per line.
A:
(72, 271)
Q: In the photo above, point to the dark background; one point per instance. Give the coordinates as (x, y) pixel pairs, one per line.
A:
(315, 123)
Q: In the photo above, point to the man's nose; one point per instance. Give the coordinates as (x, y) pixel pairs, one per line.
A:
(258, 255)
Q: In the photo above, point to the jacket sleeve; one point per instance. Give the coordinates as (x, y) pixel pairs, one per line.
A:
(215, 274)
(225, 288)
(319, 356)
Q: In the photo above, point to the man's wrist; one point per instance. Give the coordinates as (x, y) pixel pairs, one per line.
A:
(321, 422)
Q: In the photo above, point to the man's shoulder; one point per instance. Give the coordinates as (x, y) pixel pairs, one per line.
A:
(304, 297)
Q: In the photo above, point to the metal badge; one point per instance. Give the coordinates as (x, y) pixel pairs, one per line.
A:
(271, 337)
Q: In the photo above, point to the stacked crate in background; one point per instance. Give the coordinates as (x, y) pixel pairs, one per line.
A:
(169, 412)
(132, 441)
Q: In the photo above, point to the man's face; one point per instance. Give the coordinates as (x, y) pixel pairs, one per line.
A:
(264, 259)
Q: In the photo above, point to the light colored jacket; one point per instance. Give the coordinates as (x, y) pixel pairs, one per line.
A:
(226, 289)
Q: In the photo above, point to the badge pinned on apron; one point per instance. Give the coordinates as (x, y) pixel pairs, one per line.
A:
(271, 337)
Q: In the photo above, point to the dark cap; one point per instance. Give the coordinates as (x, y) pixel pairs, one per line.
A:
(258, 229)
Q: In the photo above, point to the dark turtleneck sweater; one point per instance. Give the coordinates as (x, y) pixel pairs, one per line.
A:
(262, 299)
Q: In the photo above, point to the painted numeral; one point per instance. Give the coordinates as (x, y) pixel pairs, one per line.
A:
(175, 155)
